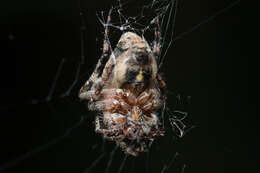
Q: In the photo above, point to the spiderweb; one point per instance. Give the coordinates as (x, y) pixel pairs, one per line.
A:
(74, 147)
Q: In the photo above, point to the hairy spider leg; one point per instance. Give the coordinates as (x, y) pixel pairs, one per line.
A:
(108, 66)
(157, 37)
(102, 61)
(156, 52)
(103, 131)
(161, 85)
(106, 132)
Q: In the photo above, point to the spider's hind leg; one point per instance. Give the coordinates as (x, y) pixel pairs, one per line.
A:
(109, 134)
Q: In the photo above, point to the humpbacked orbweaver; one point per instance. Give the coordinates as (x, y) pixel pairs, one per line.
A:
(128, 91)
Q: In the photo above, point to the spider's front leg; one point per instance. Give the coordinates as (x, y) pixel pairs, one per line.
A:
(156, 53)
(100, 65)
(157, 37)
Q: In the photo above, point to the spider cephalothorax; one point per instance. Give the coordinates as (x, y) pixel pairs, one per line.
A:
(127, 89)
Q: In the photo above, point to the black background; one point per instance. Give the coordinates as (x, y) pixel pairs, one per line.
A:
(207, 64)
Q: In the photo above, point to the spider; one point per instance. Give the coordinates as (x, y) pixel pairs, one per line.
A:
(128, 91)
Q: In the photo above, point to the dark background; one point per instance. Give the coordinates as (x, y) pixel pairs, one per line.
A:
(207, 64)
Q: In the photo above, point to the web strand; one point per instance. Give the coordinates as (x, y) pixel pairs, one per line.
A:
(94, 163)
(167, 166)
(122, 164)
(41, 148)
(111, 157)
(207, 20)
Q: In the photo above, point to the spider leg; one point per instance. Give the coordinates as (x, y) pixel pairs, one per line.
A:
(106, 68)
(157, 37)
(162, 85)
(105, 76)
(106, 49)
(102, 61)
(114, 132)
(104, 105)
(104, 131)
(157, 52)
(115, 138)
